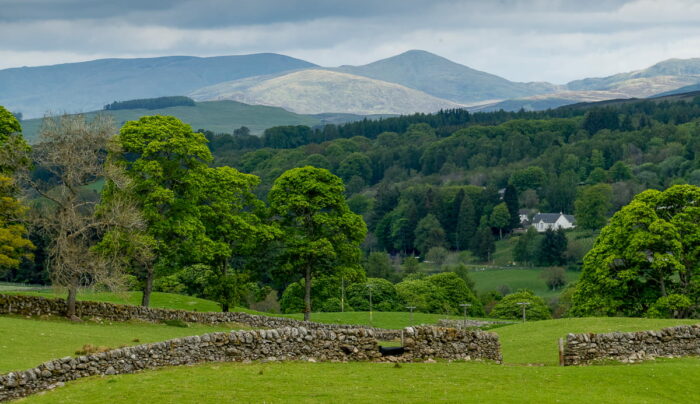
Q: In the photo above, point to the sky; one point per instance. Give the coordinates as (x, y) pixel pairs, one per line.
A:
(538, 40)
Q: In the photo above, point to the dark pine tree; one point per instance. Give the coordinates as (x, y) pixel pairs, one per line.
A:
(553, 248)
(510, 197)
(466, 224)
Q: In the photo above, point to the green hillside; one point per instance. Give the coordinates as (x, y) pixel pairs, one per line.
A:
(86, 86)
(216, 116)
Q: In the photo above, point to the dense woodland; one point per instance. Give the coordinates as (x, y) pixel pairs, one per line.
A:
(151, 103)
(424, 185)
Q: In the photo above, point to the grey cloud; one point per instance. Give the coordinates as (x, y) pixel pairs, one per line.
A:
(554, 40)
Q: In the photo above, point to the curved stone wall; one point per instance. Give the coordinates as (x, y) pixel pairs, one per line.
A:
(275, 345)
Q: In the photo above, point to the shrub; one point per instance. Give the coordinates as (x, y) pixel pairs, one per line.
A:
(383, 291)
(508, 307)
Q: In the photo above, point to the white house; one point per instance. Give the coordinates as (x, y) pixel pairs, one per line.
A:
(554, 221)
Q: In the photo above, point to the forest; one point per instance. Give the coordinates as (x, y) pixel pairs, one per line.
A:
(416, 201)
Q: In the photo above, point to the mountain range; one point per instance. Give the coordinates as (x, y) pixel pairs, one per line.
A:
(414, 81)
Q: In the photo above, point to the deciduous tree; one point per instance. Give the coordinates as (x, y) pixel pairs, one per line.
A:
(320, 233)
(646, 261)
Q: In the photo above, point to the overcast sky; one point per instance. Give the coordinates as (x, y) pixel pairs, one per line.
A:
(539, 40)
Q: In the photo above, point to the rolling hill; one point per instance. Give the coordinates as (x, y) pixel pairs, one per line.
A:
(443, 78)
(87, 86)
(663, 76)
(315, 91)
(217, 116)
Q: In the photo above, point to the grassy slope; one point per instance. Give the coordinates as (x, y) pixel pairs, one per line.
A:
(181, 302)
(536, 341)
(217, 116)
(517, 278)
(666, 380)
(161, 300)
(29, 342)
(380, 319)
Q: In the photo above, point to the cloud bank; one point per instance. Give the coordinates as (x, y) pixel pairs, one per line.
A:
(540, 40)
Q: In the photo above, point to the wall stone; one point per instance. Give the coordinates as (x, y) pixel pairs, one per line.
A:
(39, 306)
(281, 344)
(627, 347)
(450, 343)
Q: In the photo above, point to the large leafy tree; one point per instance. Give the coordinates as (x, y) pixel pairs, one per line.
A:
(231, 215)
(160, 154)
(646, 261)
(500, 218)
(14, 246)
(321, 236)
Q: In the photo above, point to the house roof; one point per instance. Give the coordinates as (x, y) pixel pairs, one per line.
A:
(552, 217)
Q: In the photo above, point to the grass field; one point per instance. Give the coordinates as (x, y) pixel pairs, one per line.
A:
(380, 319)
(516, 278)
(29, 342)
(216, 116)
(529, 374)
(535, 342)
(161, 300)
(182, 302)
(458, 382)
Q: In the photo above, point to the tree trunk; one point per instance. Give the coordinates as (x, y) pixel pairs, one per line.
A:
(70, 301)
(147, 288)
(307, 295)
(224, 307)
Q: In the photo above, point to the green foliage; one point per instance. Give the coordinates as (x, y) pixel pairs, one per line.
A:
(160, 155)
(14, 244)
(429, 234)
(552, 249)
(508, 307)
(592, 206)
(384, 297)
(151, 103)
(555, 277)
(532, 177)
(526, 249)
(321, 236)
(484, 244)
(644, 256)
(378, 265)
(510, 198)
(601, 118)
(466, 224)
(500, 218)
(457, 292)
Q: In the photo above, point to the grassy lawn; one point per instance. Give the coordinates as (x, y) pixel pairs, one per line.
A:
(675, 380)
(536, 341)
(161, 300)
(28, 342)
(516, 278)
(380, 319)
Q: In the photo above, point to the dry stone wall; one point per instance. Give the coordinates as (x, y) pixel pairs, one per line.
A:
(584, 349)
(273, 345)
(450, 343)
(39, 306)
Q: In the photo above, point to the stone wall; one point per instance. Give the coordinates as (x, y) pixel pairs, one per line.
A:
(450, 343)
(274, 345)
(40, 306)
(584, 349)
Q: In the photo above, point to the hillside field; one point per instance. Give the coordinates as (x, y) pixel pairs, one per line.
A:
(216, 116)
(529, 372)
